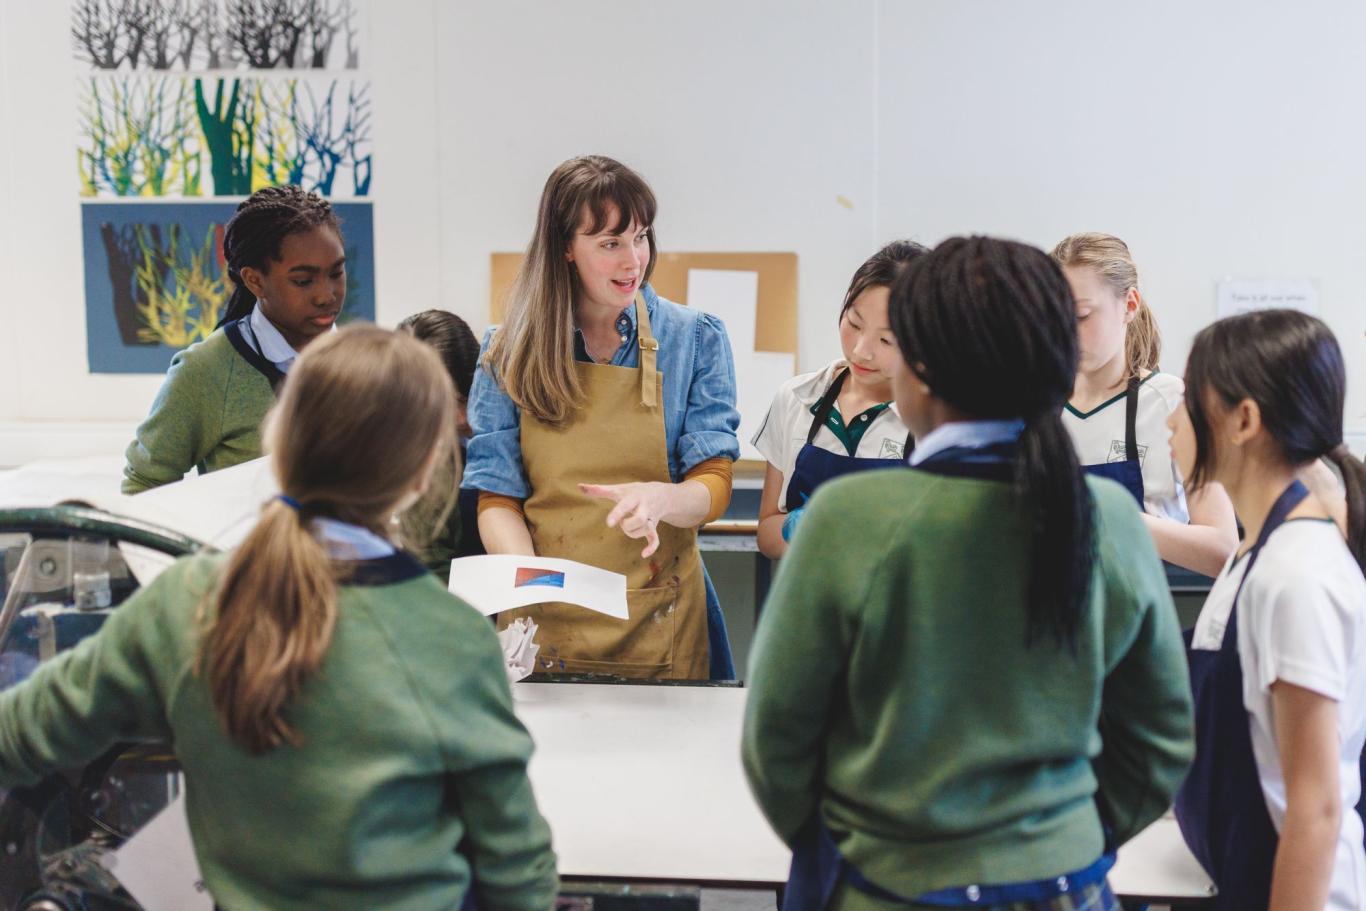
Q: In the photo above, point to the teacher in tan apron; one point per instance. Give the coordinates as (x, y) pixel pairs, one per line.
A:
(604, 421)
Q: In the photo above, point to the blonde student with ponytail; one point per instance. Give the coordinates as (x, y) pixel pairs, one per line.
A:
(284, 254)
(345, 725)
(1118, 409)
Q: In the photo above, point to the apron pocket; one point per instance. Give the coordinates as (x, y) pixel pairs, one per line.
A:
(644, 644)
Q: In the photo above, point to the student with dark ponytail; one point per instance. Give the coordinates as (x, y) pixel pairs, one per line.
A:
(944, 645)
(285, 257)
(344, 723)
(1278, 655)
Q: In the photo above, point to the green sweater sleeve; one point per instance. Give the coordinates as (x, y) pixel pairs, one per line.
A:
(82, 702)
(507, 840)
(798, 657)
(1146, 719)
(185, 420)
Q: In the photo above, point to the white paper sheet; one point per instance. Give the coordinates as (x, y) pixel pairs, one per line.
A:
(1241, 296)
(218, 508)
(496, 583)
(158, 867)
(757, 378)
(731, 295)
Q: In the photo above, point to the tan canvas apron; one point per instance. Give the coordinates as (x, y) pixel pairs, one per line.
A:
(616, 437)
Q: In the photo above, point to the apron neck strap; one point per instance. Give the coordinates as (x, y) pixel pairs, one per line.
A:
(649, 349)
(826, 403)
(1131, 420)
(1291, 497)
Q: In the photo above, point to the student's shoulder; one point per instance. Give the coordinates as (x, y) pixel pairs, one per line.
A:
(210, 356)
(1307, 554)
(880, 504)
(805, 389)
(1114, 508)
(1166, 386)
(1124, 546)
(428, 605)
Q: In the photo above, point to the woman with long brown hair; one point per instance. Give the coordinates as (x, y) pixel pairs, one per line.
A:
(604, 431)
(345, 725)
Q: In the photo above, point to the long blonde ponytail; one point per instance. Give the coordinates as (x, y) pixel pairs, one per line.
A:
(361, 415)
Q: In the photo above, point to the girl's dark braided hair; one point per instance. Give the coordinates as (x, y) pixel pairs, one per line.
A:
(258, 229)
(990, 326)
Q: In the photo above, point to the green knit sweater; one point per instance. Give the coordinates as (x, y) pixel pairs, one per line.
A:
(409, 748)
(207, 415)
(891, 688)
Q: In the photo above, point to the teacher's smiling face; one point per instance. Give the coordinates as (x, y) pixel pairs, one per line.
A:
(610, 265)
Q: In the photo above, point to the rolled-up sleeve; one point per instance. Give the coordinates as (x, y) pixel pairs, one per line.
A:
(493, 461)
(711, 419)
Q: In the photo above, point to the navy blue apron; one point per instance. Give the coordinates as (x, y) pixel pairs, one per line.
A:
(818, 868)
(1220, 806)
(815, 466)
(233, 331)
(1129, 472)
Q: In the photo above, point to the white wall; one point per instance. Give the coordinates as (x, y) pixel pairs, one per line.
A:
(1220, 138)
(747, 118)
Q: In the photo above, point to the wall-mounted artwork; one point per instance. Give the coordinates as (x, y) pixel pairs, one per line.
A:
(155, 280)
(184, 107)
(152, 135)
(218, 34)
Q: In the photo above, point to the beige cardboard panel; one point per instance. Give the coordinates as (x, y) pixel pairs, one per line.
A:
(776, 327)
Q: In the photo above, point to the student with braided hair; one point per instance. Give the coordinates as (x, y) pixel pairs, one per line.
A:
(288, 266)
(945, 643)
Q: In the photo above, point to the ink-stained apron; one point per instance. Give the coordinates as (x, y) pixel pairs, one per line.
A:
(617, 437)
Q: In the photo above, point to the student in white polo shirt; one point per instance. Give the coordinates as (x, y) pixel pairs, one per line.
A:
(841, 418)
(1278, 657)
(1117, 415)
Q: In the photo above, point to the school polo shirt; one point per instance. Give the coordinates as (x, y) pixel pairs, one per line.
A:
(1302, 620)
(876, 434)
(1098, 435)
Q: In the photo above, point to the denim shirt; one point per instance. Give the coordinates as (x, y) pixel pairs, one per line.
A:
(700, 418)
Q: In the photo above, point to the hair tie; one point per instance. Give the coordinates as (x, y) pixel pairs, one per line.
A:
(289, 501)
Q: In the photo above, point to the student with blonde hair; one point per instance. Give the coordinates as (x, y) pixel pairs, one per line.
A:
(1117, 413)
(604, 431)
(345, 725)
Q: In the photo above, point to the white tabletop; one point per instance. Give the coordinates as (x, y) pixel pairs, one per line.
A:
(645, 782)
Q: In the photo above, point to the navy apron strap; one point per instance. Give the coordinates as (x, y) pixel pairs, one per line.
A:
(1285, 504)
(1220, 806)
(1131, 420)
(826, 405)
